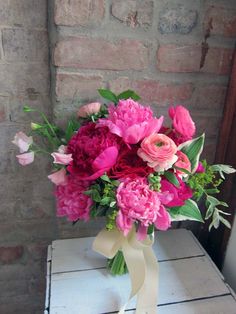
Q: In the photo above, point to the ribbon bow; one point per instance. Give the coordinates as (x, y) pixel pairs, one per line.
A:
(141, 262)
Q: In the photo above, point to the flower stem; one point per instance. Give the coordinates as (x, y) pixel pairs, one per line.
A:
(117, 265)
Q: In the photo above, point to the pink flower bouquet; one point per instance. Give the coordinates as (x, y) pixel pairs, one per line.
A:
(122, 162)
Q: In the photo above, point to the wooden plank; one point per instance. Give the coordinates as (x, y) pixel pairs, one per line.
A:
(95, 291)
(76, 254)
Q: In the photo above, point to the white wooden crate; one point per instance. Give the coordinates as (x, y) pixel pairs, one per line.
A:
(78, 282)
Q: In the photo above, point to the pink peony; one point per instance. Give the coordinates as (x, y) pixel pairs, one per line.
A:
(159, 151)
(131, 121)
(89, 109)
(182, 122)
(26, 158)
(137, 202)
(183, 162)
(58, 177)
(62, 159)
(163, 221)
(22, 141)
(179, 194)
(71, 200)
(94, 151)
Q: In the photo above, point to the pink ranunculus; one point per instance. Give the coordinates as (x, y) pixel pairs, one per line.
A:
(182, 122)
(159, 151)
(94, 151)
(62, 159)
(89, 109)
(58, 177)
(26, 158)
(179, 194)
(22, 141)
(183, 162)
(163, 221)
(131, 121)
(137, 202)
(71, 200)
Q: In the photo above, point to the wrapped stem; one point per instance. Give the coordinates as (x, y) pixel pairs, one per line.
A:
(117, 264)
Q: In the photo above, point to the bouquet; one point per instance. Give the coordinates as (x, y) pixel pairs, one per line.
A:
(120, 161)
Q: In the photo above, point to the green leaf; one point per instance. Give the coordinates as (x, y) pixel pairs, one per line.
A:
(225, 222)
(96, 196)
(105, 178)
(107, 94)
(181, 169)
(223, 169)
(193, 150)
(215, 221)
(150, 229)
(128, 94)
(105, 200)
(171, 178)
(71, 127)
(28, 109)
(189, 211)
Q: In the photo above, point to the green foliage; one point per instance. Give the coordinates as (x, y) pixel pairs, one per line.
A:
(170, 176)
(222, 169)
(72, 126)
(109, 95)
(189, 211)
(193, 150)
(154, 180)
(103, 194)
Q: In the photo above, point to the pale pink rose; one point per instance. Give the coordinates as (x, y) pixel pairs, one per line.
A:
(58, 177)
(131, 121)
(26, 158)
(89, 109)
(62, 149)
(22, 141)
(182, 122)
(159, 151)
(183, 162)
(62, 159)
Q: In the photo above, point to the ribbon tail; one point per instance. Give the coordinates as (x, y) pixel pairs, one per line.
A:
(147, 296)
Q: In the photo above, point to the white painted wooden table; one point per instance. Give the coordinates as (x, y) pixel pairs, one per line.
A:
(78, 282)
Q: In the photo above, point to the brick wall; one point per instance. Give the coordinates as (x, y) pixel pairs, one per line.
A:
(27, 219)
(170, 52)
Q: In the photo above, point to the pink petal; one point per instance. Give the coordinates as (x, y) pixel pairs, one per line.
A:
(154, 126)
(25, 159)
(142, 233)
(134, 133)
(106, 159)
(163, 221)
(59, 177)
(112, 127)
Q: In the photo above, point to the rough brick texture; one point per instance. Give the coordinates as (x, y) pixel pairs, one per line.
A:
(133, 13)
(90, 53)
(177, 20)
(79, 12)
(188, 58)
(222, 21)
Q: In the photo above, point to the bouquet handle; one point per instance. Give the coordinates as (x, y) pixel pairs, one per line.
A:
(141, 262)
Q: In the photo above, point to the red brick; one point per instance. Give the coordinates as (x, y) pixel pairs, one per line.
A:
(187, 58)
(210, 97)
(11, 254)
(74, 85)
(152, 91)
(222, 20)
(78, 12)
(207, 124)
(89, 53)
(133, 13)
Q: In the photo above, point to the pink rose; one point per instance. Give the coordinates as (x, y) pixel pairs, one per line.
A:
(58, 177)
(131, 121)
(71, 200)
(62, 159)
(182, 122)
(158, 150)
(89, 109)
(26, 158)
(183, 162)
(137, 202)
(179, 194)
(22, 141)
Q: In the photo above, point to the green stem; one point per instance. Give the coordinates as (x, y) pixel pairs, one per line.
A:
(117, 265)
